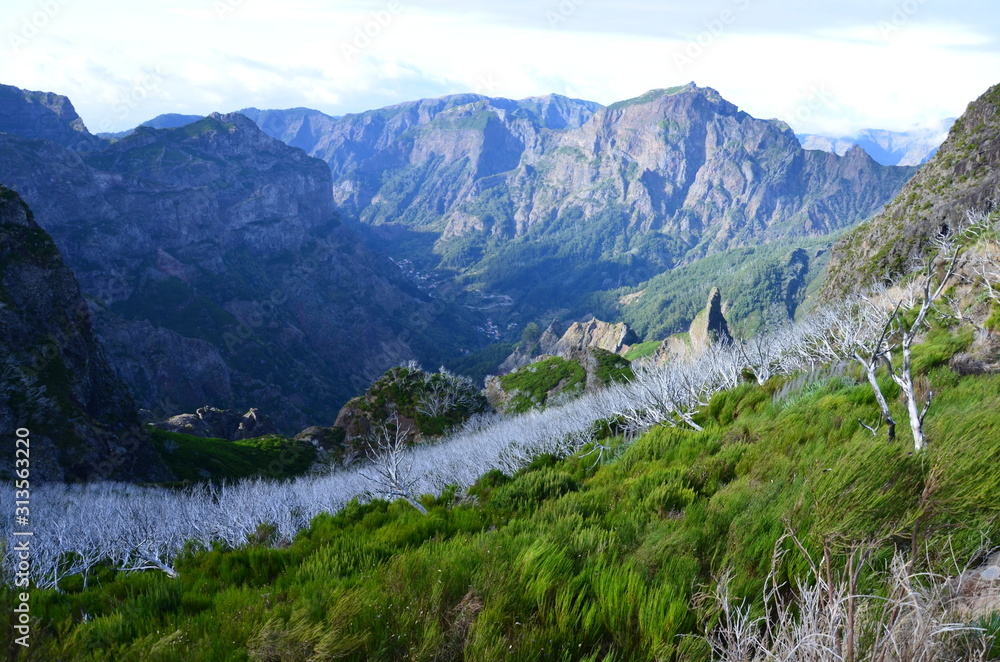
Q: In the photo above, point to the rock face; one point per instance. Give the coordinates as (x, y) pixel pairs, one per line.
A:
(581, 336)
(710, 325)
(571, 343)
(964, 174)
(220, 424)
(218, 271)
(44, 115)
(54, 377)
(350, 142)
(548, 200)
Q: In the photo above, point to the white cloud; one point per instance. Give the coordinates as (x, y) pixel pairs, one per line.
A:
(832, 70)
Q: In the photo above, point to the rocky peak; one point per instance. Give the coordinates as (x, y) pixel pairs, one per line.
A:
(668, 99)
(709, 326)
(581, 336)
(46, 116)
(572, 342)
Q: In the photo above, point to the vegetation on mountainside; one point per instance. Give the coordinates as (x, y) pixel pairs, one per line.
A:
(533, 385)
(761, 285)
(195, 459)
(570, 560)
(610, 367)
(642, 350)
(434, 401)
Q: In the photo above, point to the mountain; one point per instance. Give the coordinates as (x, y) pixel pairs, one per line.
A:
(541, 203)
(165, 121)
(44, 115)
(913, 147)
(55, 379)
(220, 274)
(964, 174)
(298, 127)
(347, 142)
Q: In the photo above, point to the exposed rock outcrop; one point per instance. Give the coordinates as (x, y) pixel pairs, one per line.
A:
(527, 352)
(220, 424)
(55, 380)
(581, 336)
(710, 324)
(571, 343)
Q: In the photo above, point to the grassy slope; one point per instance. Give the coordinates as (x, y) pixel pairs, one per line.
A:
(566, 561)
(193, 458)
(532, 384)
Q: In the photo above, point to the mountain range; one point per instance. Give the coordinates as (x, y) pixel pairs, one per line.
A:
(215, 264)
(237, 260)
(908, 148)
(554, 206)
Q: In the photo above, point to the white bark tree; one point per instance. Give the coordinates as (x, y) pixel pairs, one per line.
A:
(922, 296)
(391, 465)
(860, 331)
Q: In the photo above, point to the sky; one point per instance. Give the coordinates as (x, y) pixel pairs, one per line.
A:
(824, 66)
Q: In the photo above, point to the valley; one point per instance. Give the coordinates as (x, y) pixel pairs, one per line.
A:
(476, 378)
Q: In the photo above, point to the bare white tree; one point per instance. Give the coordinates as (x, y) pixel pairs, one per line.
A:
(859, 330)
(985, 263)
(926, 291)
(391, 466)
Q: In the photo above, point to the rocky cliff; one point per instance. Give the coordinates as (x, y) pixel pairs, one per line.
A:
(54, 377)
(581, 336)
(44, 115)
(964, 174)
(571, 343)
(710, 325)
(219, 273)
(549, 200)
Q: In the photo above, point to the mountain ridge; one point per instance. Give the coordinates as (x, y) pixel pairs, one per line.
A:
(219, 273)
(963, 175)
(479, 193)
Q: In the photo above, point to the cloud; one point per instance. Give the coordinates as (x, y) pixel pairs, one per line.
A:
(822, 66)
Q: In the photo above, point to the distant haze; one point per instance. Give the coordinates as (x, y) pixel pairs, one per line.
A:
(912, 147)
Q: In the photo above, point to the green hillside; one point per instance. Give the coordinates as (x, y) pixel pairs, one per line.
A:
(575, 560)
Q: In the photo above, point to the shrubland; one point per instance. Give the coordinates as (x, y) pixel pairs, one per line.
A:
(743, 505)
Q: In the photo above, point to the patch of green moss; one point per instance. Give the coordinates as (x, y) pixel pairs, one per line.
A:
(196, 459)
(532, 384)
